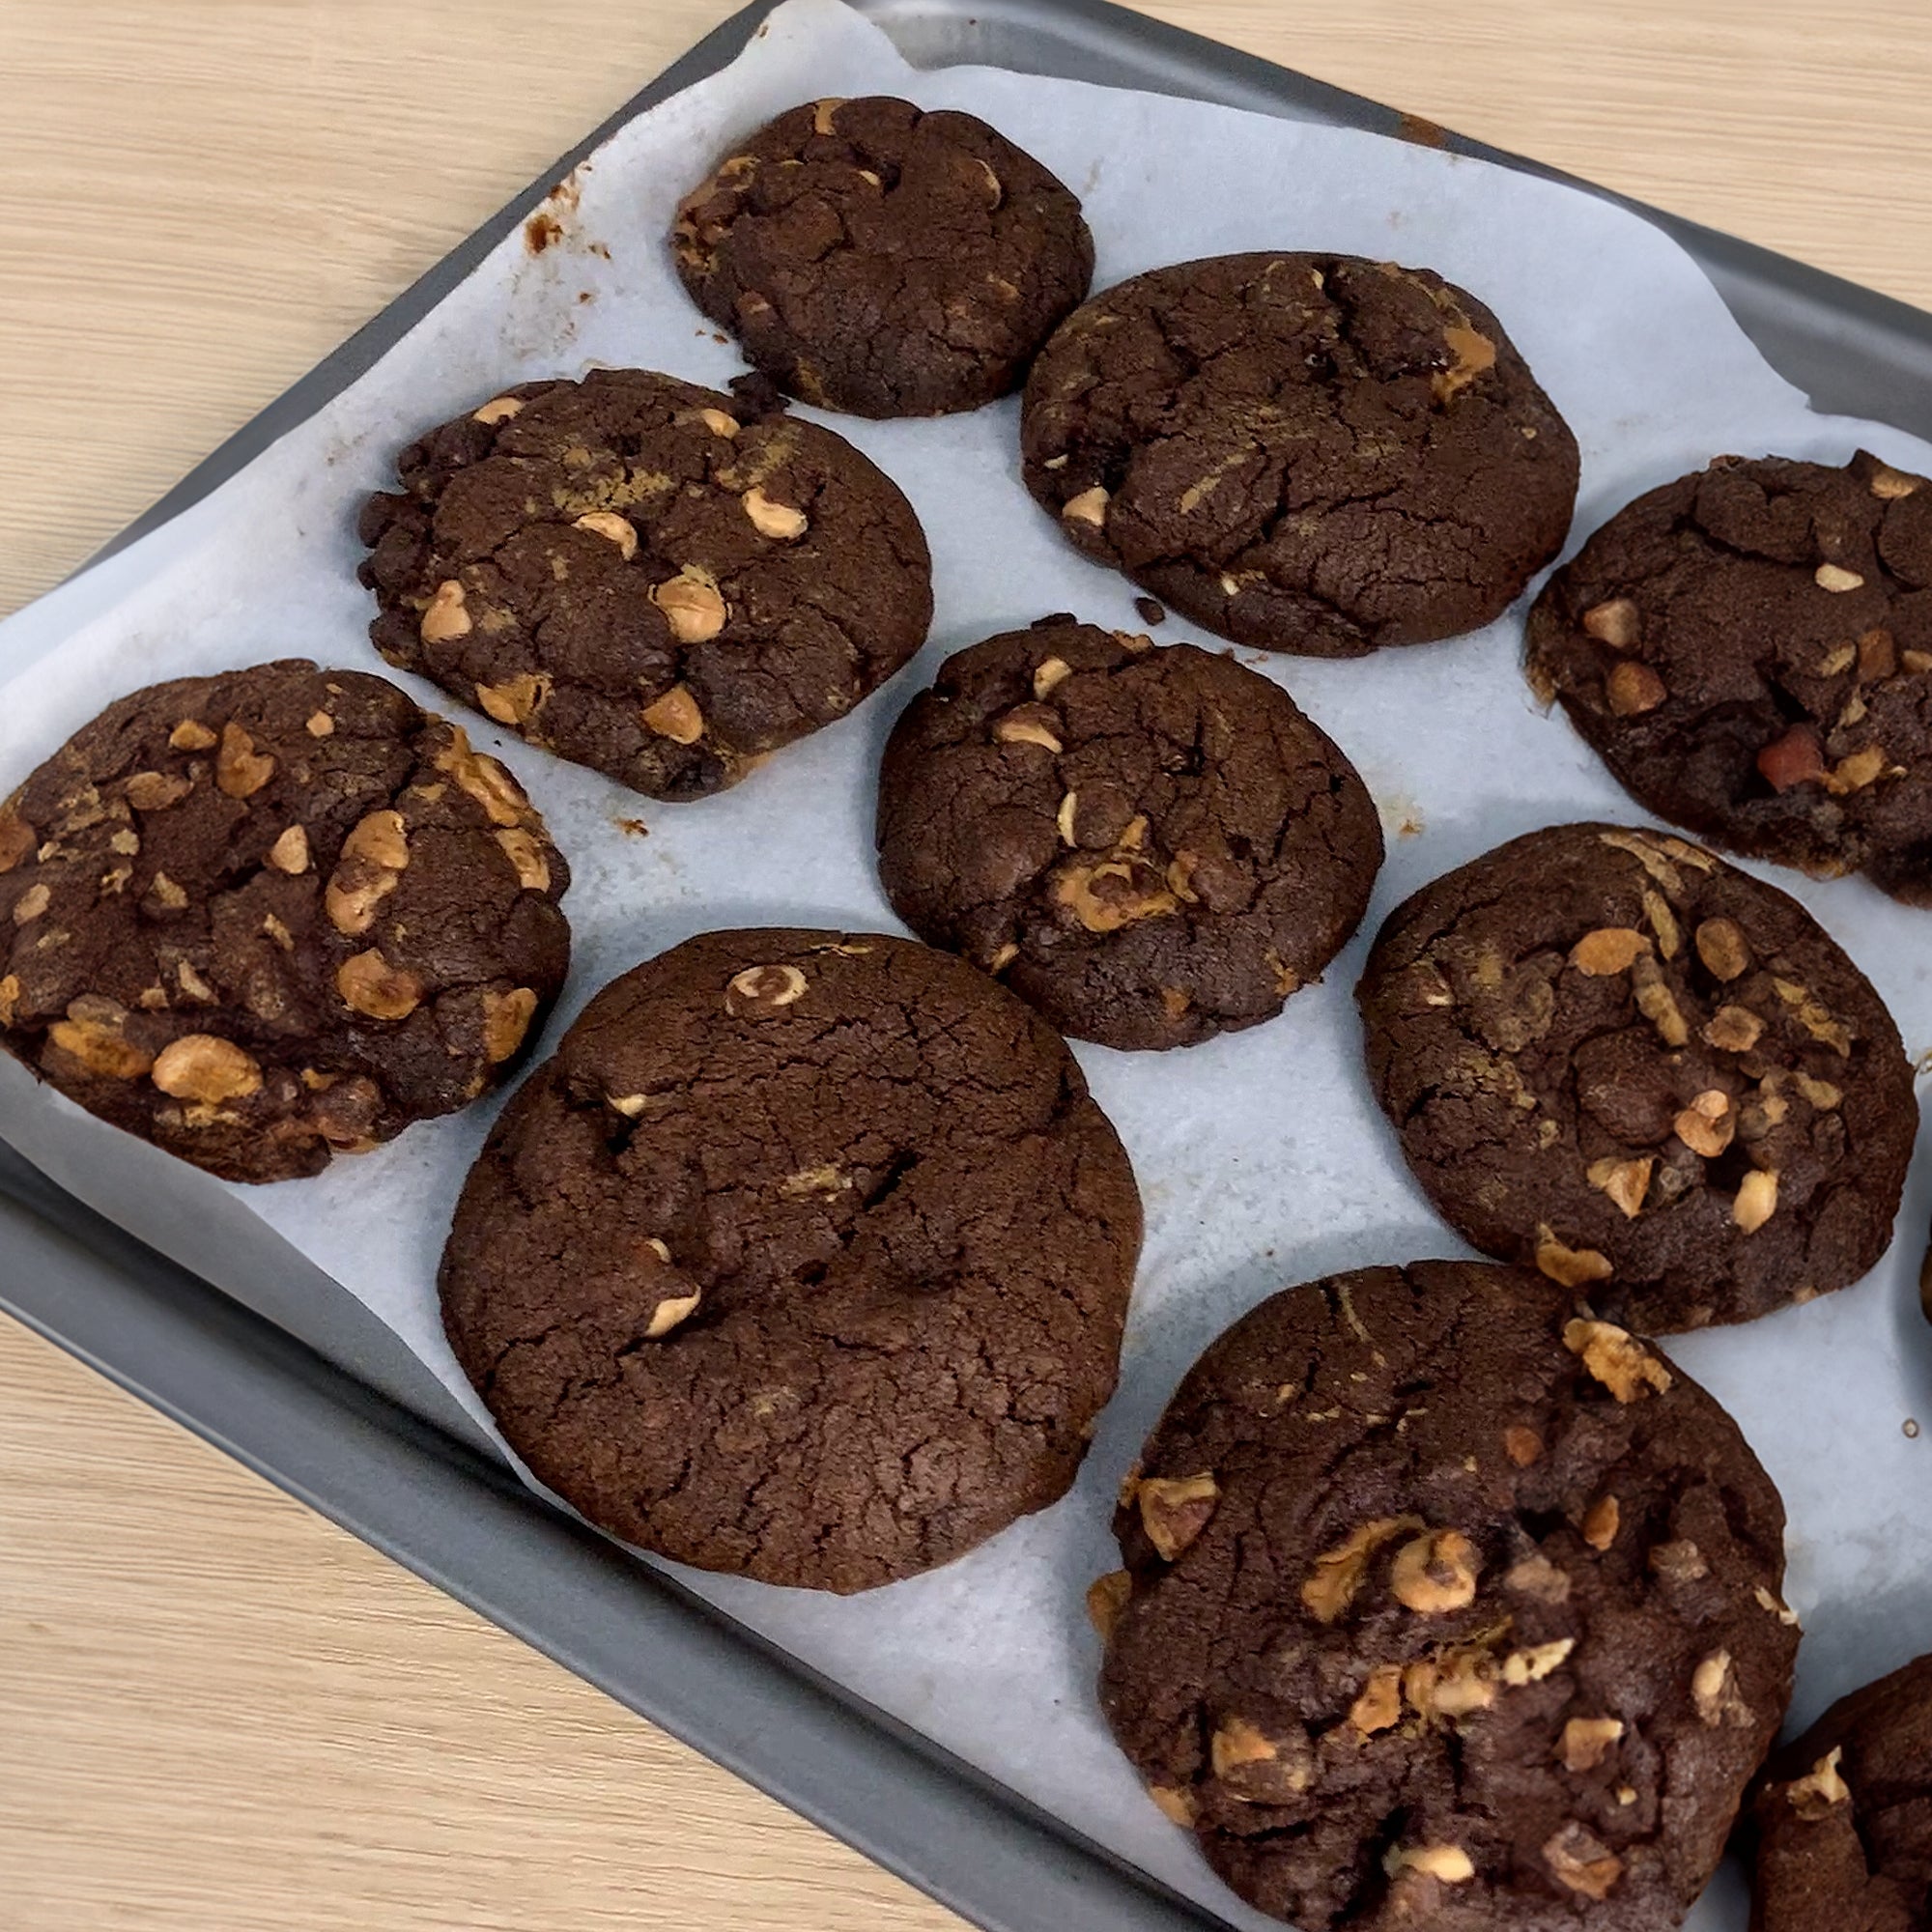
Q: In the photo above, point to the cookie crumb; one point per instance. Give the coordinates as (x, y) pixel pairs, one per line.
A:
(631, 828)
(1151, 609)
(1912, 1428)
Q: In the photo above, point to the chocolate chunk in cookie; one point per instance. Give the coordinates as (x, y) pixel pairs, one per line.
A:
(660, 582)
(266, 917)
(806, 1258)
(1311, 453)
(1610, 1055)
(875, 258)
(1151, 846)
(1749, 651)
(1447, 1606)
(1844, 1816)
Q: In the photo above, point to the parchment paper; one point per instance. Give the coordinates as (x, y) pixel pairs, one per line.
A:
(1261, 1158)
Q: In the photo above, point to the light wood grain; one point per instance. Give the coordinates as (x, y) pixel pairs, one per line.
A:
(215, 1710)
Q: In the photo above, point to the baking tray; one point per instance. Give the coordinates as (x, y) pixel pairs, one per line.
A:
(303, 1385)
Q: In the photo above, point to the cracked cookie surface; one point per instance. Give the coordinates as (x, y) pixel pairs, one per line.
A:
(1151, 846)
(806, 1258)
(274, 915)
(1844, 1816)
(1311, 453)
(1750, 650)
(877, 259)
(1612, 1056)
(657, 580)
(1447, 1605)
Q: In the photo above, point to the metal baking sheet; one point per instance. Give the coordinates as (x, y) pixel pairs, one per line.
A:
(305, 1387)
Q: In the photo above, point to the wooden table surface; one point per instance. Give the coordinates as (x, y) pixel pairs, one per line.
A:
(216, 1711)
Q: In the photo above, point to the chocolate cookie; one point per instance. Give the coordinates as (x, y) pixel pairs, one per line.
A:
(1750, 650)
(654, 580)
(1610, 1054)
(1151, 846)
(874, 258)
(806, 1258)
(275, 915)
(1844, 1817)
(1309, 453)
(1447, 1606)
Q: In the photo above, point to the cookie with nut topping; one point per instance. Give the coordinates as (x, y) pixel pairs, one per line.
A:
(1151, 846)
(1843, 1817)
(658, 580)
(873, 257)
(1612, 1057)
(1447, 1604)
(806, 1258)
(1750, 650)
(1310, 453)
(269, 917)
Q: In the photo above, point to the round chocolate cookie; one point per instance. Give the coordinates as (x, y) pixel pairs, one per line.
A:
(1311, 453)
(806, 1258)
(274, 915)
(1750, 650)
(1844, 1816)
(1151, 846)
(1447, 1606)
(873, 257)
(654, 580)
(1608, 1054)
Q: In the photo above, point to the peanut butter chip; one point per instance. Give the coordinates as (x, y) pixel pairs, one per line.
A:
(1175, 1509)
(32, 903)
(191, 735)
(98, 1045)
(675, 716)
(516, 700)
(499, 408)
(1632, 689)
(1177, 1807)
(1435, 1573)
(1889, 485)
(1331, 1585)
(692, 606)
(200, 1067)
(1601, 1522)
(1379, 1706)
(612, 528)
(1586, 1742)
(1834, 576)
(370, 985)
(779, 521)
(320, 725)
(155, 792)
(1756, 1200)
(289, 851)
(1616, 623)
(1050, 675)
(506, 1018)
(1028, 724)
(1625, 1182)
(1106, 1598)
(1533, 1664)
(239, 770)
(1609, 951)
(1089, 507)
(1582, 1862)
(444, 618)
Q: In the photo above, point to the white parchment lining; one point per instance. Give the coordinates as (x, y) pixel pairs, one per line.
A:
(1261, 1158)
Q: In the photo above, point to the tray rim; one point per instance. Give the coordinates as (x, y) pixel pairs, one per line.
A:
(287, 1412)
